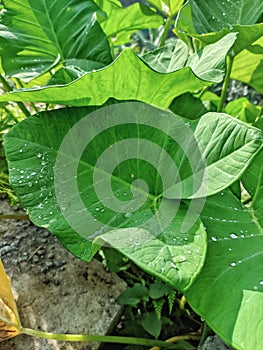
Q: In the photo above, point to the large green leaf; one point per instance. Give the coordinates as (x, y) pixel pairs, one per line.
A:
(38, 34)
(253, 182)
(208, 21)
(208, 63)
(228, 292)
(118, 80)
(122, 22)
(84, 175)
(248, 66)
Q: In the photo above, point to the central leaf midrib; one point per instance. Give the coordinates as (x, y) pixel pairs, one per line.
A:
(56, 42)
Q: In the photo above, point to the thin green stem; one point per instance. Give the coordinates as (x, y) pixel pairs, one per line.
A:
(229, 64)
(14, 216)
(95, 338)
(165, 31)
(9, 88)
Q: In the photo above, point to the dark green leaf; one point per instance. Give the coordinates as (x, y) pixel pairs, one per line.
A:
(158, 290)
(38, 34)
(152, 324)
(133, 295)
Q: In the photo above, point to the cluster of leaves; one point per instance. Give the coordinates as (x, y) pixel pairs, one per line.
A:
(63, 53)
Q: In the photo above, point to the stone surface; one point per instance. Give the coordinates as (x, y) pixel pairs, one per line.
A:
(55, 292)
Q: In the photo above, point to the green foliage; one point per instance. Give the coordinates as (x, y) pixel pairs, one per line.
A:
(140, 160)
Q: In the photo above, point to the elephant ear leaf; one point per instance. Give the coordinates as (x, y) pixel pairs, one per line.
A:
(9, 319)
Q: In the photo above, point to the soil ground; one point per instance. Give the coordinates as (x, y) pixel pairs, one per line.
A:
(55, 292)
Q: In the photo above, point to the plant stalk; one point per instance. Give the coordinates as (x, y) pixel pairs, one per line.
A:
(14, 216)
(165, 31)
(8, 88)
(95, 338)
(229, 64)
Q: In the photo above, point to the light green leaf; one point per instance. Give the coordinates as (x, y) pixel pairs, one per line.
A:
(167, 7)
(248, 66)
(120, 81)
(244, 110)
(208, 63)
(122, 22)
(228, 147)
(228, 292)
(35, 35)
(169, 58)
(209, 21)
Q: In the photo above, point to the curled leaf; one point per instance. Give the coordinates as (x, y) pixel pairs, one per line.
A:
(9, 319)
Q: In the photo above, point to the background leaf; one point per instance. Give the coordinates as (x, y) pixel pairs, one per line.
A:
(37, 35)
(248, 66)
(229, 289)
(208, 63)
(209, 21)
(152, 324)
(122, 22)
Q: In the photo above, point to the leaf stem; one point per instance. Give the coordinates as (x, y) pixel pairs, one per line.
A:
(14, 216)
(229, 63)
(96, 338)
(179, 338)
(9, 88)
(165, 31)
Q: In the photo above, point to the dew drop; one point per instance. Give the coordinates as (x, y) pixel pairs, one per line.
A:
(20, 150)
(233, 264)
(214, 239)
(39, 155)
(127, 215)
(97, 209)
(30, 184)
(233, 236)
(261, 283)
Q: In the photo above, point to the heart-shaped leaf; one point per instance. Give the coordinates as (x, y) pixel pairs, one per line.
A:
(119, 80)
(176, 55)
(38, 34)
(229, 290)
(9, 319)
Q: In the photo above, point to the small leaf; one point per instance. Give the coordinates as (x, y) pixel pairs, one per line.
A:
(9, 318)
(152, 324)
(158, 290)
(134, 295)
